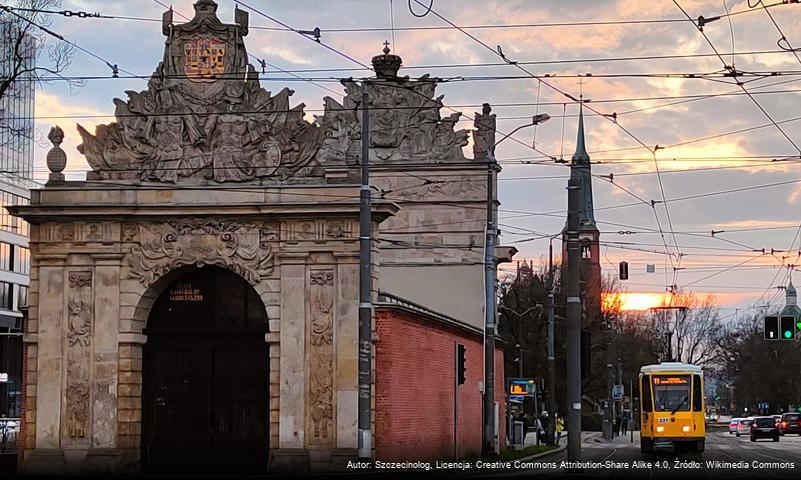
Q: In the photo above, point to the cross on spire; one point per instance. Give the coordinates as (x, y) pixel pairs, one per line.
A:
(386, 46)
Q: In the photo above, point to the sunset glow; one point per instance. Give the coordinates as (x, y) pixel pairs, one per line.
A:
(634, 301)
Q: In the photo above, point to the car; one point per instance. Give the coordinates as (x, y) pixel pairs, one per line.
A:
(733, 425)
(764, 427)
(778, 420)
(744, 426)
(790, 423)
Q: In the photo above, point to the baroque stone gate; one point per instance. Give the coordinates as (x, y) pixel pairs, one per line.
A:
(204, 169)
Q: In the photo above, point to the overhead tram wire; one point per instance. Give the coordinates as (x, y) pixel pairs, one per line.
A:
(500, 53)
(113, 66)
(735, 73)
(260, 60)
(600, 23)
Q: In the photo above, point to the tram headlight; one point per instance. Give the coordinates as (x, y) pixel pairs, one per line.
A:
(660, 429)
(685, 428)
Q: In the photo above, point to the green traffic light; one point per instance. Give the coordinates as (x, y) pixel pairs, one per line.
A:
(788, 334)
(798, 325)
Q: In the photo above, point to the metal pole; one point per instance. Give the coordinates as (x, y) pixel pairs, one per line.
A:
(573, 311)
(551, 370)
(365, 441)
(488, 444)
(455, 400)
(631, 407)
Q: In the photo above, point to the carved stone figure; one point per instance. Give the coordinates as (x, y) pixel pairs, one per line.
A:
(484, 134)
(242, 248)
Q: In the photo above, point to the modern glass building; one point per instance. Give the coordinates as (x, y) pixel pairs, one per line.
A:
(16, 172)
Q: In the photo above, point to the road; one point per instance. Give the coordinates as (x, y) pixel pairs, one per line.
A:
(736, 455)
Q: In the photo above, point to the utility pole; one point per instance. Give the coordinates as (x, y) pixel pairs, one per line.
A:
(551, 349)
(490, 278)
(551, 370)
(573, 311)
(365, 441)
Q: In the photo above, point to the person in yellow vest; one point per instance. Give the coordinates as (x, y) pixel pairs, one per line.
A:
(560, 427)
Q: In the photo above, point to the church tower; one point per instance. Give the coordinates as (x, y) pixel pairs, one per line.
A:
(791, 308)
(590, 270)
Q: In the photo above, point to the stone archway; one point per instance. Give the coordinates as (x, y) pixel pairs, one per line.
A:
(205, 376)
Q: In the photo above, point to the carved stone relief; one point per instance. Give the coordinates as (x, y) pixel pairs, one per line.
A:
(317, 230)
(79, 334)
(447, 189)
(406, 124)
(320, 430)
(243, 248)
(191, 125)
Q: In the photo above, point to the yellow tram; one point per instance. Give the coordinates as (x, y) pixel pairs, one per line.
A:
(672, 408)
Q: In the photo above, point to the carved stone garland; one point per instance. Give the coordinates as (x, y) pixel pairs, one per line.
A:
(79, 334)
(321, 358)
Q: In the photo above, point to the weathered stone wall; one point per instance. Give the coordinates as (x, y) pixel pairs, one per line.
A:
(99, 267)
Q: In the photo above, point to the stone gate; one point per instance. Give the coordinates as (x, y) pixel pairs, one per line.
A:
(207, 171)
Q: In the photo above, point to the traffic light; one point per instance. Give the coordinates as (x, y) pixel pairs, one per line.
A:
(624, 270)
(460, 364)
(771, 328)
(787, 328)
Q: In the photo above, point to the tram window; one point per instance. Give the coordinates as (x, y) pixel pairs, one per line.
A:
(697, 394)
(646, 394)
(671, 393)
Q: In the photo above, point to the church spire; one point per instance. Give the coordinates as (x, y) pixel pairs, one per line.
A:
(581, 170)
(581, 155)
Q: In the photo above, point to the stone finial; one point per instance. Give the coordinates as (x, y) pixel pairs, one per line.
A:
(56, 158)
(386, 66)
(205, 7)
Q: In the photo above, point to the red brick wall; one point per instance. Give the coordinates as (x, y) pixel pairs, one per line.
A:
(414, 381)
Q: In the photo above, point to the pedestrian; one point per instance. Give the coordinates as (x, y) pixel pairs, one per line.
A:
(545, 422)
(617, 424)
(538, 429)
(624, 421)
(524, 418)
(560, 427)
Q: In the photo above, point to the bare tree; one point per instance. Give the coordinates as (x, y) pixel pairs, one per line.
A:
(32, 55)
(692, 324)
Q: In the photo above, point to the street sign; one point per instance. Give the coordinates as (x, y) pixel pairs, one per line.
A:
(617, 392)
(3, 377)
(525, 387)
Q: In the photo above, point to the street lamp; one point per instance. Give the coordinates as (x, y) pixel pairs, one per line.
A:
(535, 120)
(490, 305)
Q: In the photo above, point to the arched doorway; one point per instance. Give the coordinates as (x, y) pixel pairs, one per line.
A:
(205, 377)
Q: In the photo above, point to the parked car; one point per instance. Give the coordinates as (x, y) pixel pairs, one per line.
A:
(733, 425)
(790, 423)
(764, 427)
(744, 426)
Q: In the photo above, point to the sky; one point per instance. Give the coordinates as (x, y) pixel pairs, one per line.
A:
(698, 152)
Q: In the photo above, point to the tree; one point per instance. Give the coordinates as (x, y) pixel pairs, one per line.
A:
(692, 324)
(758, 370)
(32, 55)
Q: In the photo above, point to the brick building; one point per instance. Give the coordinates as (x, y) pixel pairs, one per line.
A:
(415, 383)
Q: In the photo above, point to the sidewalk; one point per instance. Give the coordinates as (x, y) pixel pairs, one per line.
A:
(531, 438)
